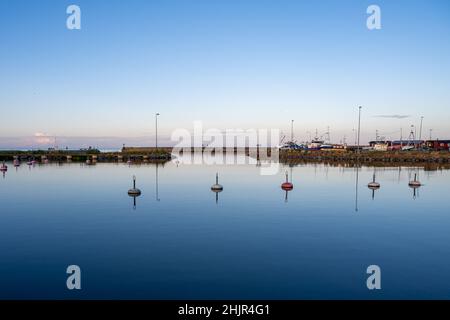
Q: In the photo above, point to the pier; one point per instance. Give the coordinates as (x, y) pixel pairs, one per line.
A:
(132, 154)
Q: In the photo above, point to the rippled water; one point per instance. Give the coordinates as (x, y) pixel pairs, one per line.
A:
(253, 243)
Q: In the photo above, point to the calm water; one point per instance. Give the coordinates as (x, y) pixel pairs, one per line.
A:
(178, 243)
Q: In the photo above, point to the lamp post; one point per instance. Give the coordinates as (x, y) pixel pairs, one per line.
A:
(420, 130)
(156, 127)
(359, 127)
(292, 130)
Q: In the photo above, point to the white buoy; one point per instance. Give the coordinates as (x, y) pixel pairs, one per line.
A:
(373, 185)
(135, 192)
(217, 187)
(415, 183)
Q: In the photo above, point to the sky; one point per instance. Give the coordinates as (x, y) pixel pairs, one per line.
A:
(228, 63)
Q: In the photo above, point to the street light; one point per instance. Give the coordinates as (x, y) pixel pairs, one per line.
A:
(359, 126)
(156, 126)
(292, 130)
(420, 130)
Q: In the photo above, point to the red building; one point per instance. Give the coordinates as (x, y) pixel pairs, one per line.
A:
(438, 145)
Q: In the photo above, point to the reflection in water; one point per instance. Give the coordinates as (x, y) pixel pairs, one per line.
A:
(415, 192)
(356, 187)
(157, 182)
(150, 248)
(134, 202)
(3, 168)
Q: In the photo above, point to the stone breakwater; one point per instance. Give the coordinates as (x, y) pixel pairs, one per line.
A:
(394, 157)
(162, 154)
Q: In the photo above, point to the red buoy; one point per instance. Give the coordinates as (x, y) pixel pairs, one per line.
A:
(287, 186)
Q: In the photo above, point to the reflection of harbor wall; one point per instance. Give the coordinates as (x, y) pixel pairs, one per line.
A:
(383, 158)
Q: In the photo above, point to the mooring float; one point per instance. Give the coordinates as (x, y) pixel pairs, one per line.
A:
(217, 187)
(287, 186)
(134, 192)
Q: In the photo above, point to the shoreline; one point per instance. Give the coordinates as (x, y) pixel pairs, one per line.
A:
(331, 157)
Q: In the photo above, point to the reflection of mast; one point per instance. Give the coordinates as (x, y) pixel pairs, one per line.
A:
(356, 187)
(157, 183)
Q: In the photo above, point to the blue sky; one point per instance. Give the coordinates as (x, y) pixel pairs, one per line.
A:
(231, 64)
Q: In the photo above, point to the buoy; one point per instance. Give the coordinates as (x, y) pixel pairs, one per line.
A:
(134, 192)
(415, 183)
(373, 185)
(287, 186)
(217, 187)
(3, 167)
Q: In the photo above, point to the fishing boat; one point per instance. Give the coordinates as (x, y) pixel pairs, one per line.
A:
(315, 144)
(291, 145)
(326, 146)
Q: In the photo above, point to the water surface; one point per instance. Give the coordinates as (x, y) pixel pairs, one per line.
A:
(179, 243)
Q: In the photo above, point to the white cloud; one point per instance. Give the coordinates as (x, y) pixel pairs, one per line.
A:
(393, 116)
(42, 138)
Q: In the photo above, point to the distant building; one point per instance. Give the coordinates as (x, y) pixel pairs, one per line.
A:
(389, 145)
(438, 145)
